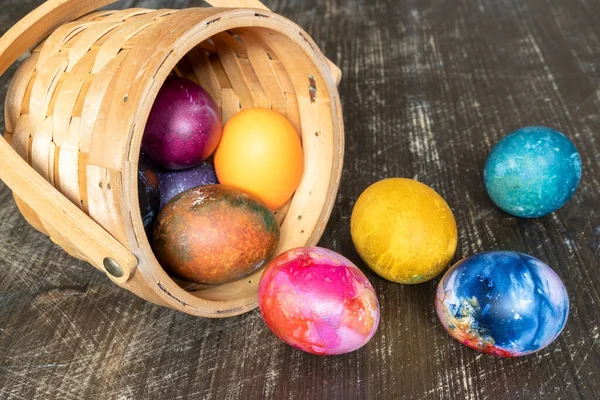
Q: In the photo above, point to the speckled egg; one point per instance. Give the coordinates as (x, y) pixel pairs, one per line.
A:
(403, 230)
(318, 301)
(214, 234)
(532, 172)
(174, 182)
(148, 192)
(503, 303)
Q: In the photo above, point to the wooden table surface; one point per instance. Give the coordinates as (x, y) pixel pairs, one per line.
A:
(429, 87)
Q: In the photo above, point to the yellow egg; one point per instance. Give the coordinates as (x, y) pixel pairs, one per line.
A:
(403, 230)
(260, 152)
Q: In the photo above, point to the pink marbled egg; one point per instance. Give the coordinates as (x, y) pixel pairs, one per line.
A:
(318, 301)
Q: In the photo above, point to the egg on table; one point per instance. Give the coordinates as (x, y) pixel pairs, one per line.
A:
(214, 234)
(403, 230)
(532, 172)
(503, 303)
(318, 301)
(261, 153)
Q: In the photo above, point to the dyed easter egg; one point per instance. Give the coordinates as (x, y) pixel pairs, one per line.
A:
(260, 152)
(214, 234)
(184, 125)
(318, 301)
(174, 182)
(148, 192)
(503, 303)
(532, 172)
(403, 230)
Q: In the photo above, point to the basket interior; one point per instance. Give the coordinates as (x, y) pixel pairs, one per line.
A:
(222, 66)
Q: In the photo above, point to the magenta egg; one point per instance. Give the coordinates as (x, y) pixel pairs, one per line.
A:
(184, 126)
(318, 301)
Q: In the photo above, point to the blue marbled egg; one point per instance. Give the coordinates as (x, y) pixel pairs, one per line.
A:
(532, 172)
(502, 303)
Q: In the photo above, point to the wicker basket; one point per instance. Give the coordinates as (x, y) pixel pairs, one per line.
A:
(77, 107)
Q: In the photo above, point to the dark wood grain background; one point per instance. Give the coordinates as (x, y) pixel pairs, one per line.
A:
(429, 87)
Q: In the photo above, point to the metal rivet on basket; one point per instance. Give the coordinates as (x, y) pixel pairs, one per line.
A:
(113, 267)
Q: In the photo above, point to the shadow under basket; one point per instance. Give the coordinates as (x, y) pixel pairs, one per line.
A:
(77, 107)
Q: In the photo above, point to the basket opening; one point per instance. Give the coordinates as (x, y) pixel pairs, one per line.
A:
(260, 66)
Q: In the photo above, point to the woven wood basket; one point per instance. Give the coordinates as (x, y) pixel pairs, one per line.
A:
(77, 107)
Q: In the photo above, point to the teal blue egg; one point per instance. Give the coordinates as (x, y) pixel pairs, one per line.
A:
(532, 172)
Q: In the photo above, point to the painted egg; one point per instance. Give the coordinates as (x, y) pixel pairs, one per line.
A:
(403, 230)
(174, 182)
(532, 172)
(184, 125)
(318, 301)
(214, 234)
(260, 152)
(503, 303)
(148, 192)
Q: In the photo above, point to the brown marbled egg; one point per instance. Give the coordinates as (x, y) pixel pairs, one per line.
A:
(214, 234)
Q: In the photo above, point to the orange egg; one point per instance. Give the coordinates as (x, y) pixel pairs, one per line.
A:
(260, 152)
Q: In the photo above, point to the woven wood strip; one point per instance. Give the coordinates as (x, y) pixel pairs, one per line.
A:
(67, 98)
(21, 138)
(236, 76)
(98, 15)
(93, 100)
(85, 88)
(217, 67)
(204, 72)
(209, 46)
(230, 104)
(43, 151)
(249, 75)
(68, 163)
(104, 192)
(265, 72)
(293, 113)
(124, 15)
(119, 37)
(24, 107)
(43, 88)
(59, 38)
(284, 78)
(16, 91)
(87, 39)
(226, 40)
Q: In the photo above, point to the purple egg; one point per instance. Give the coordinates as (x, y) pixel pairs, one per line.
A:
(184, 126)
(173, 183)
